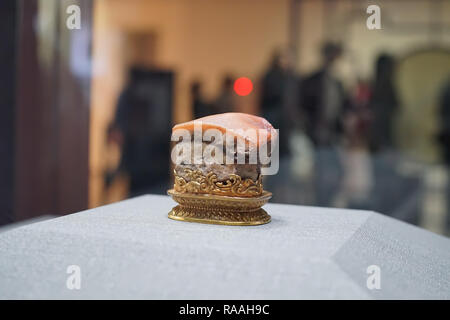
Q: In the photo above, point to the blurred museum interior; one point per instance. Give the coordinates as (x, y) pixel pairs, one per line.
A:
(364, 114)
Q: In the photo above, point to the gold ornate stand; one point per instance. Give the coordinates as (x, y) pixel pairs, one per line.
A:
(218, 209)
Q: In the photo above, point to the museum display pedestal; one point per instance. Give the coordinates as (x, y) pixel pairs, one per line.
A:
(131, 249)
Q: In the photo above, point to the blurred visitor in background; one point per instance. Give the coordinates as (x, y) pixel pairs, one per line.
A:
(362, 96)
(444, 137)
(324, 102)
(324, 99)
(383, 103)
(139, 127)
(225, 100)
(358, 117)
(357, 180)
(444, 121)
(200, 107)
(279, 105)
(279, 96)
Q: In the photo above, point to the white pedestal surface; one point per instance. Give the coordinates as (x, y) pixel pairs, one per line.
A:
(131, 250)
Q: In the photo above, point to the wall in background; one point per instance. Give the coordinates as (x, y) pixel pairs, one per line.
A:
(202, 39)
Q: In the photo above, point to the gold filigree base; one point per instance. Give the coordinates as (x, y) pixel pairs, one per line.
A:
(214, 209)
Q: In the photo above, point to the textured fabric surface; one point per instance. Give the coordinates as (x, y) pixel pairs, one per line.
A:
(132, 250)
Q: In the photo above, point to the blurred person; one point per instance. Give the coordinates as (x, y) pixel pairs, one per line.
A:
(384, 103)
(362, 95)
(444, 139)
(357, 180)
(200, 107)
(279, 104)
(225, 100)
(324, 99)
(444, 120)
(358, 116)
(139, 128)
(323, 102)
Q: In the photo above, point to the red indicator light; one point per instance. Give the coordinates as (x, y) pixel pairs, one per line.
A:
(243, 86)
